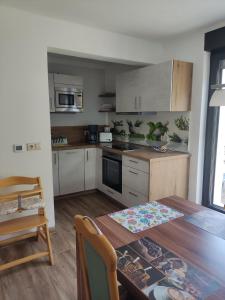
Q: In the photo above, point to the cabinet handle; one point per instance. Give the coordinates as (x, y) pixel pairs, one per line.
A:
(73, 152)
(133, 194)
(133, 161)
(87, 155)
(135, 103)
(139, 102)
(133, 172)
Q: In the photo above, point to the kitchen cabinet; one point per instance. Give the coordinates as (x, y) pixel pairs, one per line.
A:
(131, 197)
(68, 79)
(127, 89)
(90, 168)
(136, 180)
(71, 171)
(162, 87)
(51, 92)
(55, 171)
(169, 177)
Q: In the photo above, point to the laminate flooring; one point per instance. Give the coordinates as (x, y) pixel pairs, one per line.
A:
(38, 280)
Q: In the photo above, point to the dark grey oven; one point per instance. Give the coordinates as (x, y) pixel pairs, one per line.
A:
(112, 170)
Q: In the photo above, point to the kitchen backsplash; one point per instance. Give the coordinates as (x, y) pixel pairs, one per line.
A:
(176, 122)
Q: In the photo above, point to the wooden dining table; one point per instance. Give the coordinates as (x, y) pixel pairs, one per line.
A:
(200, 248)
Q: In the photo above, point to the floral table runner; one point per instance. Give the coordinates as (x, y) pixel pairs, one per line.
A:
(145, 216)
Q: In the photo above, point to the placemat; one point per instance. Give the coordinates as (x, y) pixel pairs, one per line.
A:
(161, 274)
(210, 221)
(145, 216)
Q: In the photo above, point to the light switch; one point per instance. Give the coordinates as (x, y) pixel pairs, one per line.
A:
(19, 148)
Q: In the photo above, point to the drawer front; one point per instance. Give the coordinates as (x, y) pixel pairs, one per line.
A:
(137, 180)
(131, 198)
(135, 163)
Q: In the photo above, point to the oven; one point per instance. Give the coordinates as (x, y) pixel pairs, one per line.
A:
(112, 170)
(68, 98)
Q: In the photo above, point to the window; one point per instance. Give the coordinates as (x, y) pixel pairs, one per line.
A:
(219, 179)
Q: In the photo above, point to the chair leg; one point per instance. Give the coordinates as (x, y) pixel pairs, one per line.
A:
(49, 244)
(37, 233)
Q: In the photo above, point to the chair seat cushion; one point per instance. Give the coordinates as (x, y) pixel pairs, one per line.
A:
(29, 203)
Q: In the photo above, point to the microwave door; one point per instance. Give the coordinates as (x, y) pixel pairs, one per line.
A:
(65, 99)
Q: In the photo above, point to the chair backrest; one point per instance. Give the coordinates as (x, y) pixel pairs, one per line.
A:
(20, 198)
(98, 260)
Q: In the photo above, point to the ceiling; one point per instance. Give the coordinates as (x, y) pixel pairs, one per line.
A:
(140, 18)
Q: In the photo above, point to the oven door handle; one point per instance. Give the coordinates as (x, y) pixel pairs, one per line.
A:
(111, 159)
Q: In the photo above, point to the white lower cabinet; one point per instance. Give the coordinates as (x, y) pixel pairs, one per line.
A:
(55, 171)
(71, 171)
(90, 169)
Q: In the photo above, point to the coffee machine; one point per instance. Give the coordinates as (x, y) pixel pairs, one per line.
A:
(92, 134)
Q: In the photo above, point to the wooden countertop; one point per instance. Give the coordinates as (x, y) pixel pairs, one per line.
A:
(73, 146)
(145, 154)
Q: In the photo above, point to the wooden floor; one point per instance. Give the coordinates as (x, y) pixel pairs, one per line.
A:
(39, 281)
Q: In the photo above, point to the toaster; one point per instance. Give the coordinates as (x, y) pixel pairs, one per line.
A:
(105, 137)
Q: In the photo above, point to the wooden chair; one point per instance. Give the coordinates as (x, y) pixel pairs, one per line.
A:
(16, 202)
(96, 263)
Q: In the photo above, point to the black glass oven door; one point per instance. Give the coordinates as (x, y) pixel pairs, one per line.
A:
(112, 173)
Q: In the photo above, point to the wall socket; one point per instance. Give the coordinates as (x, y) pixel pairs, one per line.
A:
(33, 146)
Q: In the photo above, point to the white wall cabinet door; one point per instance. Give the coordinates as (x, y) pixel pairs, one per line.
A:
(155, 87)
(127, 91)
(90, 168)
(55, 172)
(51, 92)
(71, 171)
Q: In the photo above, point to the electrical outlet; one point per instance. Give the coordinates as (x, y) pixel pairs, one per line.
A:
(38, 146)
(33, 146)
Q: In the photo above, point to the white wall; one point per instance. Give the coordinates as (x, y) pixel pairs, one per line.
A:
(24, 114)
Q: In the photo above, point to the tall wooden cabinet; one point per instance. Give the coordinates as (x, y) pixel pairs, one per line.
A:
(161, 87)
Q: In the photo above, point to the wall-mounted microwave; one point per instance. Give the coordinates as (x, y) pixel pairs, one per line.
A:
(68, 98)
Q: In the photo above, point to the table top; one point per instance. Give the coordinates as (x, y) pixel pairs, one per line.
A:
(199, 247)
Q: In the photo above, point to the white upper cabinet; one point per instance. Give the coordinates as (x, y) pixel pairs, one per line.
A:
(127, 89)
(51, 92)
(90, 168)
(162, 87)
(68, 79)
